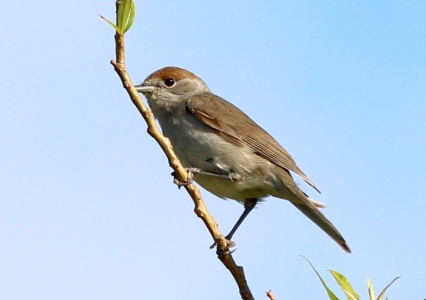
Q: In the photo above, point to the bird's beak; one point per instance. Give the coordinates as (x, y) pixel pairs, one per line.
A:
(144, 89)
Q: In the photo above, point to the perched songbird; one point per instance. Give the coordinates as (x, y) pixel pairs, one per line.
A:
(232, 156)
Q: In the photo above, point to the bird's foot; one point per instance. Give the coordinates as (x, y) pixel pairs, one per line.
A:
(223, 251)
(189, 180)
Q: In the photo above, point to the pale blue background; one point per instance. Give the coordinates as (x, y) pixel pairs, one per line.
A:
(87, 205)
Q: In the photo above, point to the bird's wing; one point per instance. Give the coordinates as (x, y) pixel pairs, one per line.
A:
(238, 128)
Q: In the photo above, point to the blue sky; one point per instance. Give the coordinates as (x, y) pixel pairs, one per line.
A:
(87, 205)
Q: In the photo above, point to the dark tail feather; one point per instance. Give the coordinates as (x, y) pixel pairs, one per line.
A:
(318, 218)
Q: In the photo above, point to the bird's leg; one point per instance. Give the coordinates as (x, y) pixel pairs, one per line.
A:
(230, 175)
(249, 204)
(194, 171)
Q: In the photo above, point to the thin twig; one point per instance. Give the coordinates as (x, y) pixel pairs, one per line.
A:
(180, 172)
(270, 295)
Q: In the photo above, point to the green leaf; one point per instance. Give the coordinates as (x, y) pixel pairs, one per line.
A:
(331, 295)
(370, 289)
(126, 15)
(345, 285)
(112, 24)
(382, 294)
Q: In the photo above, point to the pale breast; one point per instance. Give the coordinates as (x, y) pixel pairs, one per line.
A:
(199, 146)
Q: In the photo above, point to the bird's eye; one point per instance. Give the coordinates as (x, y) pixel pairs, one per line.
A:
(169, 82)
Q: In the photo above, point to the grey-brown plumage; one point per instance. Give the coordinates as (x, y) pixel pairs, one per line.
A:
(239, 159)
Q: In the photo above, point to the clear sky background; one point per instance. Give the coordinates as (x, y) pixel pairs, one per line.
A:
(87, 205)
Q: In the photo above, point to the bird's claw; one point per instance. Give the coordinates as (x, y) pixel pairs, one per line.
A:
(189, 180)
(221, 252)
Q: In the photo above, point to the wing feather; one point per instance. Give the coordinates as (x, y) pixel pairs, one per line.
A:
(238, 128)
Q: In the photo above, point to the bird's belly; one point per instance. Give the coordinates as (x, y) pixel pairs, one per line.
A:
(239, 190)
(207, 150)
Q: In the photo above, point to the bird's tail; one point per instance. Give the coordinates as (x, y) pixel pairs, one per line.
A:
(289, 190)
(322, 222)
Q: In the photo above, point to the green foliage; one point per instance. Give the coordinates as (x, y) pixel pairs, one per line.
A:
(347, 288)
(345, 285)
(125, 16)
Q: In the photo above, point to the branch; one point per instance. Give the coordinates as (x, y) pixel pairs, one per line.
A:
(180, 172)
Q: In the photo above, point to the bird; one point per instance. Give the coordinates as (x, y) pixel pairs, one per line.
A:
(230, 155)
